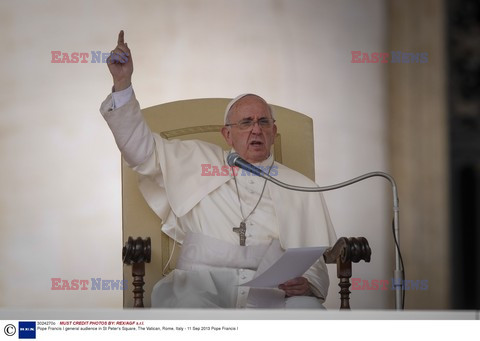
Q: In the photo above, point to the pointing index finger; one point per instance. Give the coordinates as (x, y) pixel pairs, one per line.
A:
(120, 38)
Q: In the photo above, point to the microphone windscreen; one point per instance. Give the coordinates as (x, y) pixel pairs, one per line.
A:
(231, 159)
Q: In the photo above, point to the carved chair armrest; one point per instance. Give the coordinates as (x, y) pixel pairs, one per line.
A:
(343, 253)
(136, 253)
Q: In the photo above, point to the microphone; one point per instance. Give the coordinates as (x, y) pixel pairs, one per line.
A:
(233, 159)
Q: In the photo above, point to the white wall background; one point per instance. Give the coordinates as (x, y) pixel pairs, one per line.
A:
(60, 177)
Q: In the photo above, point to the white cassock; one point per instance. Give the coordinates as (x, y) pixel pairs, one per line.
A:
(200, 211)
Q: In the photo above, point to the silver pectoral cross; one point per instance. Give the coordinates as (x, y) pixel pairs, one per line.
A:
(241, 232)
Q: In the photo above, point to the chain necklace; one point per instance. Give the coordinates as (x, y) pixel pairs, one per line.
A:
(242, 229)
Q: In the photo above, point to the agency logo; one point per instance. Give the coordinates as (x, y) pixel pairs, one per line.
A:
(27, 330)
(85, 284)
(383, 284)
(393, 57)
(213, 170)
(9, 330)
(94, 57)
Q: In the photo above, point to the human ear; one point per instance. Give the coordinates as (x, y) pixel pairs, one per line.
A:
(227, 135)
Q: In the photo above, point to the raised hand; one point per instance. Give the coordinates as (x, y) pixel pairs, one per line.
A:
(120, 64)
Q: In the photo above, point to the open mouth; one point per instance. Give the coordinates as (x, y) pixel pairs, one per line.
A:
(256, 143)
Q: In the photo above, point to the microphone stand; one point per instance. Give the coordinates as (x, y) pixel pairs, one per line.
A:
(235, 160)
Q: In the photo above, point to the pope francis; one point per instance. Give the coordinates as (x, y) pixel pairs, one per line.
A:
(232, 226)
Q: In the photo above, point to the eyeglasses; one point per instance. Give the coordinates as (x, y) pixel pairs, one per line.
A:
(249, 123)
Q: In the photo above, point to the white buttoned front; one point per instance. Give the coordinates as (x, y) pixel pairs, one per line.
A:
(244, 276)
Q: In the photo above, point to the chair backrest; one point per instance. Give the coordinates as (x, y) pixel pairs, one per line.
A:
(200, 119)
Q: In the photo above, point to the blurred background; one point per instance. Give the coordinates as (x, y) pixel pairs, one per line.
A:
(60, 198)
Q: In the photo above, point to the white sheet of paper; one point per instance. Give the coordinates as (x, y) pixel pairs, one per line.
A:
(293, 263)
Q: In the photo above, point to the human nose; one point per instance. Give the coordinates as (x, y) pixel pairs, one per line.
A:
(256, 127)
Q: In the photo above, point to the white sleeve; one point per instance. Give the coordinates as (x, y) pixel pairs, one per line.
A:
(132, 135)
(317, 275)
(120, 98)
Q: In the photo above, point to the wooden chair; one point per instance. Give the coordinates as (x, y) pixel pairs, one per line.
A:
(202, 119)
